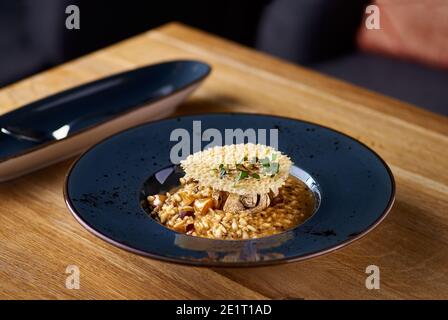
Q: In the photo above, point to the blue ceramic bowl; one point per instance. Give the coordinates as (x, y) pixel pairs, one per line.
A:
(106, 186)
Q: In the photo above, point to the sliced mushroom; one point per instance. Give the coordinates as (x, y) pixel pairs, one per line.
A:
(246, 204)
(273, 194)
(233, 203)
(278, 199)
(218, 198)
(263, 203)
(249, 201)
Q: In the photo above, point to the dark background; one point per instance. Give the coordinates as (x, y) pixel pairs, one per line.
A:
(33, 34)
(316, 33)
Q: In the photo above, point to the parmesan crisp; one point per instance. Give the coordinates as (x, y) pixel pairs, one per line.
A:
(209, 167)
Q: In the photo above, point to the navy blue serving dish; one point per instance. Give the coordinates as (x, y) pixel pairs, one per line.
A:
(105, 187)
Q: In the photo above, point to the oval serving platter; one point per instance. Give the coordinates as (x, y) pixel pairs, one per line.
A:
(106, 187)
(59, 126)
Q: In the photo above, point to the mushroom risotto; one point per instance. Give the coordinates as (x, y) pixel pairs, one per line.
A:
(235, 192)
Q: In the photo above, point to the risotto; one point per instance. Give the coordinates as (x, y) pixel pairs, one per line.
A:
(221, 197)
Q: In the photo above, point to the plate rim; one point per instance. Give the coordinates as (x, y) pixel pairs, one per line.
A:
(219, 264)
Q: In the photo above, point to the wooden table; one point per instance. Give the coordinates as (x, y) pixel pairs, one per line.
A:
(39, 238)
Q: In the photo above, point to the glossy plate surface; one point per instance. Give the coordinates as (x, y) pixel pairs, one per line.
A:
(104, 189)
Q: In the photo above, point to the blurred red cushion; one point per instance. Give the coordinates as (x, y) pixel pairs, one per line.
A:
(413, 30)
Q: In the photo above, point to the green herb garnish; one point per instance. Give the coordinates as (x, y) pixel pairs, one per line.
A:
(222, 171)
(270, 167)
(252, 168)
(256, 176)
(242, 175)
(265, 162)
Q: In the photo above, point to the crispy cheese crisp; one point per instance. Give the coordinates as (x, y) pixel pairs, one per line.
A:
(243, 169)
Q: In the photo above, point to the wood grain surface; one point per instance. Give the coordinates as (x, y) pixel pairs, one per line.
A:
(39, 238)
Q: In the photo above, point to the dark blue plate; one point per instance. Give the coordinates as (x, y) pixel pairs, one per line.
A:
(105, 187)
(67, 123)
